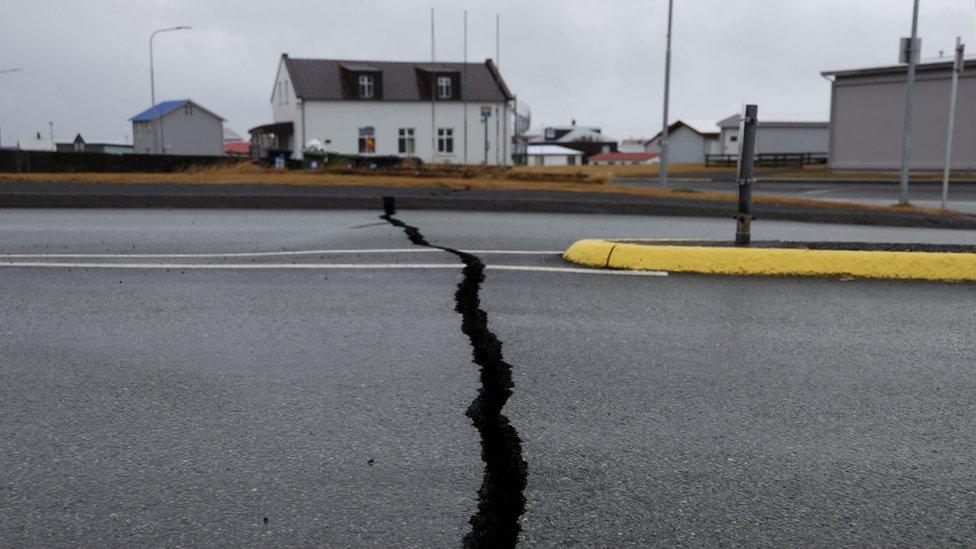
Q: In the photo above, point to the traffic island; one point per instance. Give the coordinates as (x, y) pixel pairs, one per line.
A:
(950, 263)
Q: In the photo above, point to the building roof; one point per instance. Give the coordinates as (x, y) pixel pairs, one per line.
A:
(701, 127)
(322, 79)
(164, 108)
(939, 65)
(546, 150)
(623, 156)
(237, 147)
(733, 122)
(580, 133)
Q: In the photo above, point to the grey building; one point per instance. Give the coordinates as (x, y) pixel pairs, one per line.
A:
(777, 137)
(179, 127)
(104, 147)
(688, 141)
(867, 113)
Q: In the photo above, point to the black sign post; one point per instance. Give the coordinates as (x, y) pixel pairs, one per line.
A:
(747, 154)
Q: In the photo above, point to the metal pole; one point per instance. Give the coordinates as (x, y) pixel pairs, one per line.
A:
(667, 97)
(906, 145)
(498, 66)
(484, 120)
(433, 92)
(5, 71)
(50, 126)
(956, 69)
(464, 92)
(747, 151)
(152, 82)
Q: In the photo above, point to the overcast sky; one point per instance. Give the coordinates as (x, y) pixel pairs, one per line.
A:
(86, 63)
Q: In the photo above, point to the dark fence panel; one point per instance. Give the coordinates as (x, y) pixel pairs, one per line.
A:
(17, 161)
(768, 160)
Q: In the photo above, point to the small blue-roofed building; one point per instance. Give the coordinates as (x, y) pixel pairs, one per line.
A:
(180, 127)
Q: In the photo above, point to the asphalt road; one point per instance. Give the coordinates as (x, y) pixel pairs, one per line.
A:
(149, 398)
(962, 195)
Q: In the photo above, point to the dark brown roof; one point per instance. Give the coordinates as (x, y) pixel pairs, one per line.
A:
(322, 79)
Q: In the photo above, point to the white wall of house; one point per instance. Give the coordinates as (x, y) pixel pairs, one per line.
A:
(775, 139)
(336, 125)
(686, 146)
(554, 160)
(187, 132)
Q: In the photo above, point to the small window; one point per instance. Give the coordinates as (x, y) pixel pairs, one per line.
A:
(366, 86)
(445, 140)
(279, 93)
(733, 138)
(445, 87)
(406, 143)
(188, 109)
(367, 140)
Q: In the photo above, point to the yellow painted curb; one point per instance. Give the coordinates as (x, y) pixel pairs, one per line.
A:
(950, 267)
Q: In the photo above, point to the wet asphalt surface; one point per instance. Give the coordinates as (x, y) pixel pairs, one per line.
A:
(327, 407)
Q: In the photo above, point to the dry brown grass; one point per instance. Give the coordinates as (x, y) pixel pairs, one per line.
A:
(248, 174)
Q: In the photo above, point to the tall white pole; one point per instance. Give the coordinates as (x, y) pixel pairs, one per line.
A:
(498, 65)
(152, 79)
(667, 97)
(957, 66)
(433, 92)
(906, 144)
(464, 92)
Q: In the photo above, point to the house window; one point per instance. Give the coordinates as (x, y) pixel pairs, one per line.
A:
(444, 87)
(279, 93)
(445, 140)
(188, 109)
(366, 86)
(406, 143)
(367, 140)
(733, 138)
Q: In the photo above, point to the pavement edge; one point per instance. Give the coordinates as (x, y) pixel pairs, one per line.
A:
(733, 261)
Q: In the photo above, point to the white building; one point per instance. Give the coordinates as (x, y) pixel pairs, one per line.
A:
(553, 155)
(778, 137)
(688, 141)
(440, 113)
(179, 127)
(624, 159)
(36, 142)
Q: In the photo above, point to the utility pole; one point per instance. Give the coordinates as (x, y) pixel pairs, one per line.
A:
(433, 92)
(464, 92)
(957, 67)
(906, 144)
(667, 97)
(152, 80)
(6, 71)
(50, 126)
(747, 152)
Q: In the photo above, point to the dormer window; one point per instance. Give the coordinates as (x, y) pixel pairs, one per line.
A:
(367, 86)
(445, 87)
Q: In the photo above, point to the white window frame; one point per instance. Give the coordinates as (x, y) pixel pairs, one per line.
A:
(445, 140)
(367, 86)
(406, 141)
(362, 142)
(445, 87)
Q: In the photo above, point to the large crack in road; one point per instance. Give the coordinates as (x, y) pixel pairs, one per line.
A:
(501, 499)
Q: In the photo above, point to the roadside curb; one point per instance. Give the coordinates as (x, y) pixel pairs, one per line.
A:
(737, 261)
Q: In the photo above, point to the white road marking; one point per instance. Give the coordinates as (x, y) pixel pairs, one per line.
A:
(270, 254)
(313, 266)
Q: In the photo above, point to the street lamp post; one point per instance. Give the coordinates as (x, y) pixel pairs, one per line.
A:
(5, 71)
(152, 79)
(667, 97)
(906, 144)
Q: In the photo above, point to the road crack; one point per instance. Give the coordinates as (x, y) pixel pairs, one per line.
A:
(501, 499)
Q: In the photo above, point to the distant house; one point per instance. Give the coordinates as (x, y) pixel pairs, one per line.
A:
(438, 112)
(588, 140)
(101, 146)
(36, 142)
(688, 141)
(624, 158)
(867, 114)
(553, 155)
(180, 127)
(777, 137)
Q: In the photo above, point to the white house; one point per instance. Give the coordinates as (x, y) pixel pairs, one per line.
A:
(440, 112)
(180, 127)
(778, 137)
(688, 141)
(552, 155)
